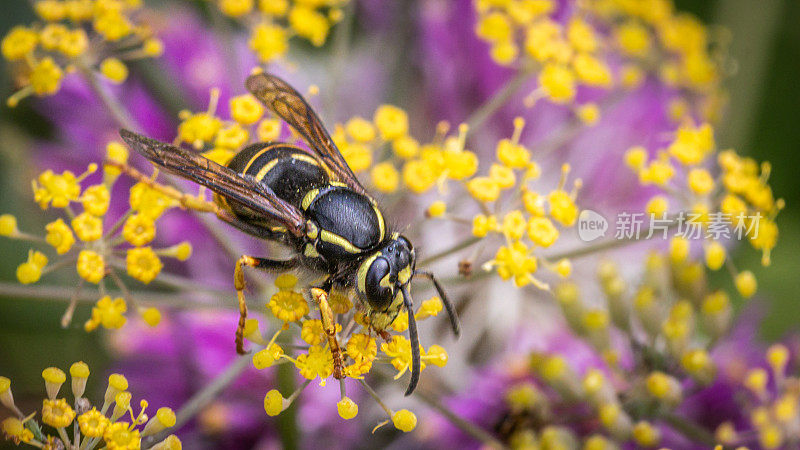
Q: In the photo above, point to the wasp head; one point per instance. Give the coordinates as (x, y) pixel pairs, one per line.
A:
(383, 274)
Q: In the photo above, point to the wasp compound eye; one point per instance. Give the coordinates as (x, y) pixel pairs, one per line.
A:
(379, 290)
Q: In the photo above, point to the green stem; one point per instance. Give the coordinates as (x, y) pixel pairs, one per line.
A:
(117, 110)
(375, 397)
(205, 396)
(691, 430)
(468, 427)
(608, 244)
(447, 252)
(56, 292)
(478, 118)
(590, 249)
(287, 420)
(339, 55)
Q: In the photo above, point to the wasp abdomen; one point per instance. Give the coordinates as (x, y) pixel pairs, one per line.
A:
(349, 222)
(288, 170)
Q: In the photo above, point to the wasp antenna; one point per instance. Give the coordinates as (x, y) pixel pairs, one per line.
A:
(451, 310)
(414, 338)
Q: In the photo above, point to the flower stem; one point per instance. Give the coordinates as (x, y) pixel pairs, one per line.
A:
(55, 292)
(468, 427)
(287, 420)
(691, 430)
(607, 244)
(340, 52)
(205, 396)
(375, 397)
(447, 252)
(590, 249)
(117, 110)
(496, 101)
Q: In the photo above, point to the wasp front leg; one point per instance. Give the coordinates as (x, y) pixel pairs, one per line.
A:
(239, 284)
(328, 324)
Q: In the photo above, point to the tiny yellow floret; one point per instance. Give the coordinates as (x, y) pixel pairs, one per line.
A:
(347, 408)
(404, 420)
(114, 69)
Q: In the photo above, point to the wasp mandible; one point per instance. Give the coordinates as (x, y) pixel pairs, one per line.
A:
(312, 202)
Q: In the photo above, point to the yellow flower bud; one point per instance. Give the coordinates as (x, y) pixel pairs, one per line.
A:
(267, 357)
(404, 420)
(777, 357)
(246, 110)
(385, 177)
(8, 225)
(273, 402)
(746, 283)
(588, 113)
(28, 273)
(53, 379)
(636, 157)
(6, 397)
(437, 209)
(91, 266)
(164, 418)
(79, 372)
(347, 408)
(391, 121)
(116, 383)
(646, 434)
(657, 206)
(114, 69)
(151, 316)
(678, 249)
(170, 443)
(405, 147)
(715, 255)
(360, 129)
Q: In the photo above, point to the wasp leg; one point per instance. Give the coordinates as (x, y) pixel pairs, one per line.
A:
(326, 315)
(238, 282)
(451, 310)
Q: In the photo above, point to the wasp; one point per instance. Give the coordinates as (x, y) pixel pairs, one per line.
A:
(310, 201)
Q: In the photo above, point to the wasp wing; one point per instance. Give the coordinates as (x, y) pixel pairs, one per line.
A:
(289, 105)
(240, 188)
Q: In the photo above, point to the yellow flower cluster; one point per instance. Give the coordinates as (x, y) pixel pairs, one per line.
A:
(723, 199)
(360, 349)
(771, 402)
(681, 45)
(666, 307)
(71, 33)
(221, 139)
(672, 304)
(88, 428)
(359, 139)
(534, 224)
(649, 35)
(534, 218)
(568, 55)
(276, 21)
(95, 245)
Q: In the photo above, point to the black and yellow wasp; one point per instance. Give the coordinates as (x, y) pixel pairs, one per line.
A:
(312, 202)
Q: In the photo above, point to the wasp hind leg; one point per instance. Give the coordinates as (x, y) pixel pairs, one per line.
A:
(320, 296)
(272, 265)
